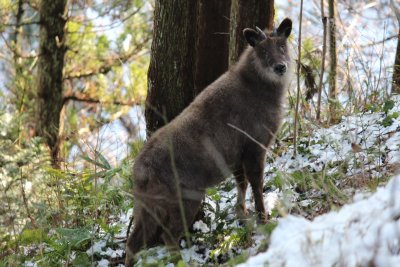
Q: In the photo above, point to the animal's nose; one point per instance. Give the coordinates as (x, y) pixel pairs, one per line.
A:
(280, 68)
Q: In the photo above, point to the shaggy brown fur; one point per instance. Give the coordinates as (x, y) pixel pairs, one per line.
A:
(224, 130)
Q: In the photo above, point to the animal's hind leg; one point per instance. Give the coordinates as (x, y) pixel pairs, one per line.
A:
(241, 183)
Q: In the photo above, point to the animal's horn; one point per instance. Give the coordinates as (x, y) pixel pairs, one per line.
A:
(261, 32)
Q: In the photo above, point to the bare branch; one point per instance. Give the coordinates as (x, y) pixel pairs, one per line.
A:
(80, 97)
(296, 114)
(107, 65)
(131, 128)
(379, 42)
(321, 76)
(23, 23)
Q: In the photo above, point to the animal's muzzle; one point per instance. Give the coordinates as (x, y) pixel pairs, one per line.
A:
(280, 68)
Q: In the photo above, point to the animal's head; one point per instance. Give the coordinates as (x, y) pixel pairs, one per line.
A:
(272, 58)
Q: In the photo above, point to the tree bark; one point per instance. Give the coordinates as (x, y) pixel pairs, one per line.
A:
(248, 14)
(191, 49)
(171, 73)
(396, 68)
(49, 73)
(212, 45)
(332, 50)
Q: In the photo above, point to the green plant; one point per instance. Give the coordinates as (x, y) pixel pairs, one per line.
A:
(388, 119)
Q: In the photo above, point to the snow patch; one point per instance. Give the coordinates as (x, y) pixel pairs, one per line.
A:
(201, 226)
(103, 263)
(366, 232)
(97, 247)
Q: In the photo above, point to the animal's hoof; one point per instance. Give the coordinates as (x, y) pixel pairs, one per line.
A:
(242, 213)
(263, 218)
(128, 263)
(129, 260)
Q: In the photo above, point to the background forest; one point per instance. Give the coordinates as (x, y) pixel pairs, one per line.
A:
(83, 82)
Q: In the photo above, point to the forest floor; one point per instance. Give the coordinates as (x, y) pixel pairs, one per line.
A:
(336, 201)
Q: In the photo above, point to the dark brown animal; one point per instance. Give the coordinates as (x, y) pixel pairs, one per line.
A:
(224, 130)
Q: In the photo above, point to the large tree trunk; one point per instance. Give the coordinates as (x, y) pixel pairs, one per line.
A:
(49, 75)
(172, 65)
(212, 46)
(396, 69)
(190, 49)
(248, 14)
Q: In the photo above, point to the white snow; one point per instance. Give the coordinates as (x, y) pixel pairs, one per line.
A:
(201, 226)
(103, 263)
(271, 200)
(97, 247)
(379, 144)
(30, 264)
(190, 255)
(364, 233)
(113, 253)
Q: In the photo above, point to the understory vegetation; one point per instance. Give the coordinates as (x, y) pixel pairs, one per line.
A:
(80, 216)
(74, 208)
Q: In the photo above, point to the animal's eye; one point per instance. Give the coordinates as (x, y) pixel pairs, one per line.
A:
(282, 47)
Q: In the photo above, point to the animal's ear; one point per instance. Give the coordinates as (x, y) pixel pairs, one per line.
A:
(253, 37)
(285, 28)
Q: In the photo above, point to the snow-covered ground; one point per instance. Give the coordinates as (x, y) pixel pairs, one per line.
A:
(364, 233)
(361, 138)
(361, 233)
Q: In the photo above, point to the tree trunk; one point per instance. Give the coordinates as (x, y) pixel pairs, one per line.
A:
(172, 64)
(49, 73)
(333, 58)
(248, 14)
(396, 69)
(212, 46)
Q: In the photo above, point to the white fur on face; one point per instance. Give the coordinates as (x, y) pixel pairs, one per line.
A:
(268, 73)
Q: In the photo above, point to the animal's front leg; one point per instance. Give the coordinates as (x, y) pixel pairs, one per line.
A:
(241, 183)
(180, 218)
(253, 165)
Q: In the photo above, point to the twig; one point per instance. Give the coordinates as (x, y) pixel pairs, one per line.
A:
(85, 98)
(249, 136)
(28, 212)
(375, 42)
(296, 114)
(321, 76)
(129, 226)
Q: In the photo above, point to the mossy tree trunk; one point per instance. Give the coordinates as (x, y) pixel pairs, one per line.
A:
(248, 14)
(189, 51)
(172, 64)
(49, 72)
(212, 45)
